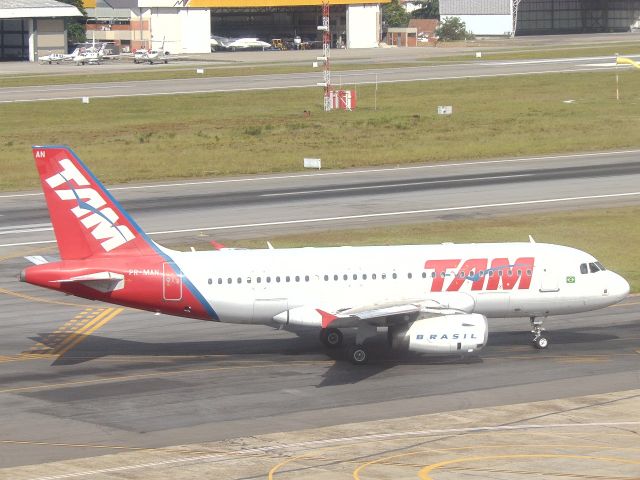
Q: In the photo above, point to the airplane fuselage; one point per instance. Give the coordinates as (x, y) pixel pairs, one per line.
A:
(253, 286)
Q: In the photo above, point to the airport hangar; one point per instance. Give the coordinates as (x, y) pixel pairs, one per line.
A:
(186, 26)
(540, 17)
(30, 26)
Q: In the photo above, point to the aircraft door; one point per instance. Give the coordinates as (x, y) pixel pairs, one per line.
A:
(549, 282)
(171, 282)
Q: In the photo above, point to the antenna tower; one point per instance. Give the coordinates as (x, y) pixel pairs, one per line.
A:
(326, 48)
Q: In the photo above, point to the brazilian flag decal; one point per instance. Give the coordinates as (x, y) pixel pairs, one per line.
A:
(571, 279)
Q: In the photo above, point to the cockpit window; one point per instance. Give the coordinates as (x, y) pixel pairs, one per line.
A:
(600, 266)
(593, 267)
(583, 268)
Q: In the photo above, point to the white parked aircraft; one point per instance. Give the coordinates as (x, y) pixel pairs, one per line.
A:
(219, 43)
(152, 55)
(430, 298)
(58, 57)
(247, 44)
(90, 56)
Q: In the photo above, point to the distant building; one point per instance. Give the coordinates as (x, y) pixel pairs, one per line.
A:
(482, 17)
(186, 26)
(527, 17)
(426, 28)
(32, 28)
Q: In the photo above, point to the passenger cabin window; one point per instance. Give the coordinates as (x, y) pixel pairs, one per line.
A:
(583, 268)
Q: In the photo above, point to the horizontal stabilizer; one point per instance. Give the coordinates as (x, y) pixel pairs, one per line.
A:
(101, 281)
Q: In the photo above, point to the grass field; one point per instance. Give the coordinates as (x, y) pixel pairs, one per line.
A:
(147, 138)
(177, 71)
(608, 234)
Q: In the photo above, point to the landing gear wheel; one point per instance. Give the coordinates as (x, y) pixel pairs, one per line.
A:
(537, 328)
(541, 343)
(331, 337)
(358, 355)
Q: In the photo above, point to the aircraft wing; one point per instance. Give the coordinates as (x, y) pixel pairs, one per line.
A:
(381, 314)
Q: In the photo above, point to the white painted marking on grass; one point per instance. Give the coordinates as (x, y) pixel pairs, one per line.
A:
(395, 185)
(370, 215)
(349, 172)
(329, 441)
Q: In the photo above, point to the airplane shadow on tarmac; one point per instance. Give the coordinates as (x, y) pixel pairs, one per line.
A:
(306, 348)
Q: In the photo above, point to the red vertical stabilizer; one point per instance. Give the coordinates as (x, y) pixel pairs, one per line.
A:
(87, 220)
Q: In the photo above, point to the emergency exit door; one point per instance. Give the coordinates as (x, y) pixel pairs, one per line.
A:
(171, 282)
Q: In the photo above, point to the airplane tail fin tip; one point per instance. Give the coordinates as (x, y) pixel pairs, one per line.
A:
(87, 220)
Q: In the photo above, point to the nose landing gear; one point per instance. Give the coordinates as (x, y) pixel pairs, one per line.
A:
(537, 328)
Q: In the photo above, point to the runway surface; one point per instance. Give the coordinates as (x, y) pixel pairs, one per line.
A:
(82, 379)
(483, 69)
(592, 437)
(263, 206)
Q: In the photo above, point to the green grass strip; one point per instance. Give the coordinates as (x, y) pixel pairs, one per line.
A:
(205, 135)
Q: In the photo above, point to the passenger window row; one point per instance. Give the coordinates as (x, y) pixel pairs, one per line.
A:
(355, 276)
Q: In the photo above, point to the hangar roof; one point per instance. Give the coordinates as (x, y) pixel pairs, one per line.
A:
(36, 9)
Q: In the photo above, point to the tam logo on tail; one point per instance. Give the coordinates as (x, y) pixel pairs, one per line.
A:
(90, 208)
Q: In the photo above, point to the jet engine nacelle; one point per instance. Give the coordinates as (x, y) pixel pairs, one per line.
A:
(463, 333)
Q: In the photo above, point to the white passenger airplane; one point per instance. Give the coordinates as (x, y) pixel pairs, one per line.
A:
(431, 298)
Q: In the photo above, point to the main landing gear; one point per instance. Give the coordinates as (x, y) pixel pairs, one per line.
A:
(536, 328)
(358, 354)
(331, 337)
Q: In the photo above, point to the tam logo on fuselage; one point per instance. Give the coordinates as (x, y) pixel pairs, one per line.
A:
(90, 207)
(501, 275)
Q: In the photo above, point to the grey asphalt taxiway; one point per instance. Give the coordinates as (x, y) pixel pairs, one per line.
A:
(302, 80)
(263, 206)
(70, 390)
(80, 379)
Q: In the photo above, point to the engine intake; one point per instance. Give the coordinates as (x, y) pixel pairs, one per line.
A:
(463, 333)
